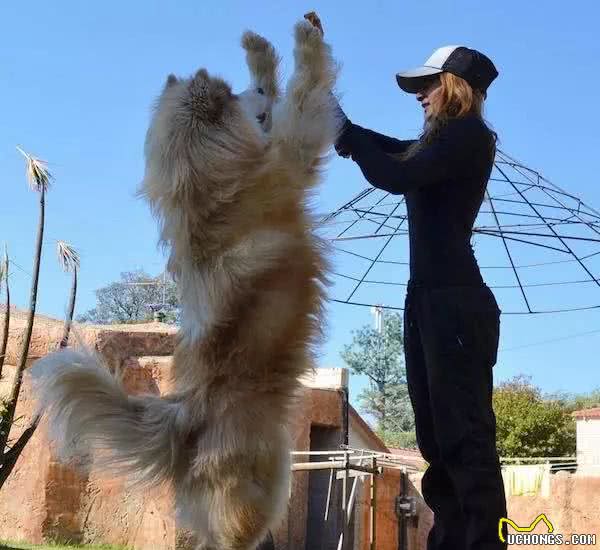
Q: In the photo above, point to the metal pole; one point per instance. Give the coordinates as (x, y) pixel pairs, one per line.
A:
(329, 488)
(345, 417)
(379, 327)
(345, 503)
(377, 312)
(347, 466)
(373, 507)
(403, 534)
(342, 541)
(352, 497)
(324, 453)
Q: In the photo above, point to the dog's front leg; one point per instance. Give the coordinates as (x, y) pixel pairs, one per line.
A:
(306, 122)
(263, 62)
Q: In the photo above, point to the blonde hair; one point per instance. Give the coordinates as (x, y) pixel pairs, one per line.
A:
(456, 99)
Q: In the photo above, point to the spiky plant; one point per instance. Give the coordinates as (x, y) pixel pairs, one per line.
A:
(37, 172)
(4, 277)
(38, 178)
(68, 258)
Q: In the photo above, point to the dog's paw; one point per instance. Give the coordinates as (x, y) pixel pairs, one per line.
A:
(254, 42)
(306, 33)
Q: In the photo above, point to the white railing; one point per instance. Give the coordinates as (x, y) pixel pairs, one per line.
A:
(556, 463)
(350, 465)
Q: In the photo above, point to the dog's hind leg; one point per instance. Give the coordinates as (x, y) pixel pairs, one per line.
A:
(231, 499)
(306, 122)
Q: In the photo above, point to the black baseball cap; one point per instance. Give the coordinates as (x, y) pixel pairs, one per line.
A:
(476, 68)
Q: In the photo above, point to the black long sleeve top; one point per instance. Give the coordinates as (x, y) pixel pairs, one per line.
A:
(444, 184)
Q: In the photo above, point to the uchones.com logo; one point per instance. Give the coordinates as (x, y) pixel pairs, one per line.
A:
(524, 535)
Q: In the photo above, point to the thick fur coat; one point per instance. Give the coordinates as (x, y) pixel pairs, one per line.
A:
(227, 176)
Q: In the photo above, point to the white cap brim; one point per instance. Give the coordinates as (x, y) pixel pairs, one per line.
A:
(410, 81)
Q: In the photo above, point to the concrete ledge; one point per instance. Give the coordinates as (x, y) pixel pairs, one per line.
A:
(327, 379)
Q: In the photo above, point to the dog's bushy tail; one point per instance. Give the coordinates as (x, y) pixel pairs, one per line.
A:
(88, 411)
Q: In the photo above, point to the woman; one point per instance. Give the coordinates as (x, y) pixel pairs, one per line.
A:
(451, 320)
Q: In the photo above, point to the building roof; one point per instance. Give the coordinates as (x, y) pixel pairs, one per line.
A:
(412, 457)
(367, 431)
(587, 413)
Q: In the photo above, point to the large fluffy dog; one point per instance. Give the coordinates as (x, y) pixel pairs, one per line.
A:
(227, 176)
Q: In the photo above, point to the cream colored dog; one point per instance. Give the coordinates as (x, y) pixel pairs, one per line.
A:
(227, 176)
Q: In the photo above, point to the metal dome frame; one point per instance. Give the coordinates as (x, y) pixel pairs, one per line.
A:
(522, 209)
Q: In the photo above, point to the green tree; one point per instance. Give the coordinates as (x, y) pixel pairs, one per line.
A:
(399, 439)
(129, 300)
(379, 355)
(578, 401)
(529, 424)
(585, 400)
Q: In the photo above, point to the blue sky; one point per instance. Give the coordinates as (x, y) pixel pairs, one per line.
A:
(79, 79)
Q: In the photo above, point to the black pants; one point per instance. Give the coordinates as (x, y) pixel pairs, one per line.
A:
(267, 544)
(451, 343)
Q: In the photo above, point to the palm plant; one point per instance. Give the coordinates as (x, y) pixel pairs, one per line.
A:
(68, 258)
(38, 178)
(4, 277)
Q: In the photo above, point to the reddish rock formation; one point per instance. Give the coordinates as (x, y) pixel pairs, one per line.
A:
(46, 500)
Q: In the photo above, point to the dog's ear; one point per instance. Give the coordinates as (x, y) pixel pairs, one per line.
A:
(209, 96)
(201, 75)
(171, 81)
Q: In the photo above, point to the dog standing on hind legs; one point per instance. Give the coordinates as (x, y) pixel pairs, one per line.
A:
(228, 177)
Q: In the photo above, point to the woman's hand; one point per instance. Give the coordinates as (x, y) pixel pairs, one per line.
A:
(342, 145)
(340, 148)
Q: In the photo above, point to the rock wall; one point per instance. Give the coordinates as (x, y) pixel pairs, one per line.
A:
(46, 500)
(572, 506)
